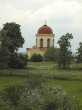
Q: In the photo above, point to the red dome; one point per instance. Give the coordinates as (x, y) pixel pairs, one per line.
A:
(45, 30)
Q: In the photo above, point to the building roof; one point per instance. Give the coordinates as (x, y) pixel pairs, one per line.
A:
(45, 30)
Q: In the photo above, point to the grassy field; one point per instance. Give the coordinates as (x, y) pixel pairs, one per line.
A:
(69, 80)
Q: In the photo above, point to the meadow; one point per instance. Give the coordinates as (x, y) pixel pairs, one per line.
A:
(69, 80)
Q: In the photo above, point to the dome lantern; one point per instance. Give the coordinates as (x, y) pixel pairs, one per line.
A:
(45, 37)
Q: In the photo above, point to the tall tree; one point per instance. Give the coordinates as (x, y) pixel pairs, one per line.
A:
(65, 53)
(10, 40)
(13, 38)
(79, 53)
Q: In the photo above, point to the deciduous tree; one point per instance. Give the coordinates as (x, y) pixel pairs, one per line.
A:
(10, 41)
(79, 53)
(65, 54)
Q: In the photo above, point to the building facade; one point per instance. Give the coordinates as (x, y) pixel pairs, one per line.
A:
(44, 40)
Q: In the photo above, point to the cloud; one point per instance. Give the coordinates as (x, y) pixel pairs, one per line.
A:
(62, 15)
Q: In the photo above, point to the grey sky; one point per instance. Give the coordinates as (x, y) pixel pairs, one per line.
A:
(62, 15)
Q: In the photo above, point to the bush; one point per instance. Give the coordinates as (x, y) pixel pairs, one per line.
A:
(11, 96)
(36, 58)
(4, 105)
(51, 54)
(43, 98)
(46, 98)
(18, 61)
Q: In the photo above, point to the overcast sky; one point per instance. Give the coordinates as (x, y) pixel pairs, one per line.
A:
(61, 15)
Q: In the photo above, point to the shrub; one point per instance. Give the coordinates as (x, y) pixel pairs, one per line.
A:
(4, 105)
(51, 54)
(18, 61)
(43, 98)
(46, 98)
(11, 95)
(36, 58)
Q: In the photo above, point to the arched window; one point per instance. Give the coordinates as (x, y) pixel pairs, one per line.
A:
(48, 43)
(41, 43)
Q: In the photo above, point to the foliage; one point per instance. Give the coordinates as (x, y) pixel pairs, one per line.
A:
(4, 105)
(46, 98)
(36, 58)
(68, 79)
(51, 54)
(4, 58)
(10, 40)
(65, 54)
(79, 53)
(11, 95)
(18, 61)
(13, 37)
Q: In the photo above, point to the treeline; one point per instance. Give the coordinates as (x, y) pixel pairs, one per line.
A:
(10, 41)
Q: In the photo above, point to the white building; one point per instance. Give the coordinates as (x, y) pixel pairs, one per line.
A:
(44, 40)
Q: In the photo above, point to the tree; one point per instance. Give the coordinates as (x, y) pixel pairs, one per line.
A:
(79, 53)
(51, 54)
(4, 52)
(10, 40)
(13, 38)
(65, 54)
(4, 58)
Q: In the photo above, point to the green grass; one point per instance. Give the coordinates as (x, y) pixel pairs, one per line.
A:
(6, 81)
(73, 88)
(69, 80)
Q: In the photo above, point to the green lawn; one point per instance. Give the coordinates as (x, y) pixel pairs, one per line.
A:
(69, 80)
(6, 81)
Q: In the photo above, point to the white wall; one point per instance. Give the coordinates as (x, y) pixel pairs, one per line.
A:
(45, 40)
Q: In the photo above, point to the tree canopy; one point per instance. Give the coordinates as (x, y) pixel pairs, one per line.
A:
(10, 41)
(79, 53)
(11, 37)
(65, 53)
